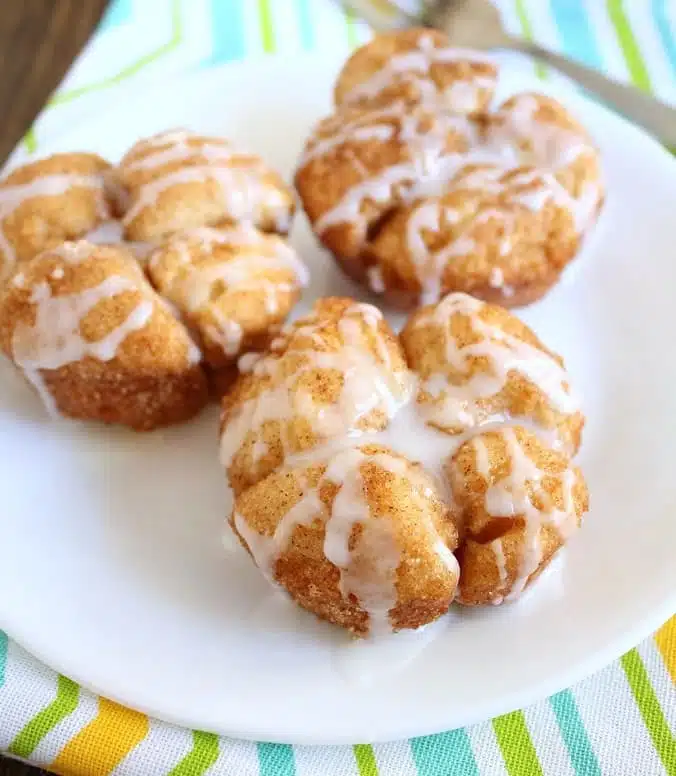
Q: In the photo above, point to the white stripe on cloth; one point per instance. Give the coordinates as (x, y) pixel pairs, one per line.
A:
(29, 687)
(486, 750)
(164, 746)
(614, 725)
(325, 760)
(549, 745)
(395, 758)
(660, 680)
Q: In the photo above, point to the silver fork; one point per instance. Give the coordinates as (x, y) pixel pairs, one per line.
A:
(477, 24)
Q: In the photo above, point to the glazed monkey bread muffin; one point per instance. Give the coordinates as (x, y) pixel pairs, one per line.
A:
(46, 202)
(212, 222)
(418, 188)
(180, 180)
(233, 286)
(86, 329)
(377, 479)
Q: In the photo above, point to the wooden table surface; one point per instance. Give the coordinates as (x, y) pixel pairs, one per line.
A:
(38, 41)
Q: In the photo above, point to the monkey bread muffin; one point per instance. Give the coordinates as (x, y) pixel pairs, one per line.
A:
(180, 180)
(205, 222)
(46, 202)
(232, 286)
(377, 479)
(87, 330)
(419, 187)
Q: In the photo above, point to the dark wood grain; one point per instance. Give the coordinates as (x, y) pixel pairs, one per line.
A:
(38, 41)
(14, 768)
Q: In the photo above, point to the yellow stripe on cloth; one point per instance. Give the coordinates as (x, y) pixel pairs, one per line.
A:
(100, 746)
(665, 638)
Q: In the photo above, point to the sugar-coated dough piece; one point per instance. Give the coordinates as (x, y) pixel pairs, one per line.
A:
(466, 424)
(478, 364)
(416, 200)
(233, 286)
(517, 502)
(87, 330)
(180, 180)
(415, 65)
(361, 539)
(45, 202)
(333, 373)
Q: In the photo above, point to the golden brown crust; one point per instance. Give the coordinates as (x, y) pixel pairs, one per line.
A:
(180, 180)
(416, 200)
(500, 554)
(328, 514)
(260, 435)
(233, 287)
(85, 326)
(48, 201)
(492, 350)
(428, 72)
(408, 516)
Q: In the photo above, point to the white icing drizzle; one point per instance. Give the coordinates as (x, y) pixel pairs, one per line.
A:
(415, 67)
(55, 339)
(193, 291)
(367, 572)
(12, 196)
(516, 156)
(510, 497)
(456, 406)
(368, 384)
(177, 146)
(343, 449)
(245, 194)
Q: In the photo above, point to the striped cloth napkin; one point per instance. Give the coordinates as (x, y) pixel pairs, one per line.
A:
(622, 721)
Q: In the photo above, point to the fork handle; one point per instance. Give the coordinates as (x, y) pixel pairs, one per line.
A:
(653, 115)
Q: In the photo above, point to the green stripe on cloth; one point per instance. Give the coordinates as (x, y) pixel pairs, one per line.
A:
(130, 70)
(65, 703)
(366, 760)
(448, 753)
(267, 31)
(516, 746)
(527, 29)
(574, 735)
(649, 706)
(276, 760)
(630, 49)
(351, 30)
(30, 141)
(3, 656)
(200, 758)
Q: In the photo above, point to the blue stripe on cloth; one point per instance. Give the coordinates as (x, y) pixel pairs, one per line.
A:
(579, 747)
(305, 23)
(3, 656)
(276, 760)
(576, 35)
(661, 15)
(445, 754)
(118, 12)
(227, 31)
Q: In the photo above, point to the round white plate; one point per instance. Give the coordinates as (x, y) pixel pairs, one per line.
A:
(112, 568)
